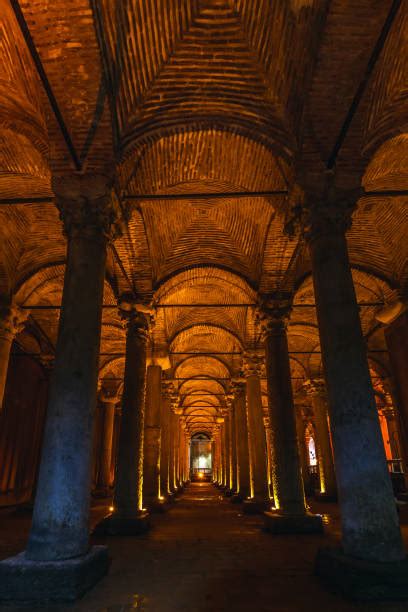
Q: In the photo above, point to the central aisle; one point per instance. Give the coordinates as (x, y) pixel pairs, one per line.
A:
(203, 554)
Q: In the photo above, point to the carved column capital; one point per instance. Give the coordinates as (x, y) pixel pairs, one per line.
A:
(324, 210)
(274, 313)
(252, 364)
(89, 206)
(134, 317)
(315, 388)
(12, 320)
(47, 361)
(238, 387)
(108, 394)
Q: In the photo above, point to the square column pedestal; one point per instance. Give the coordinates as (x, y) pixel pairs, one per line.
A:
(115, 525)
(293, 523)
(39, 583)
(362, 580)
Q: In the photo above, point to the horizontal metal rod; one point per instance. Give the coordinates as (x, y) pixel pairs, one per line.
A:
(217, 195)
(198, 305)
(390, 193)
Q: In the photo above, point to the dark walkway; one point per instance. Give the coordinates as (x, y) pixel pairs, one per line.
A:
(204, 555)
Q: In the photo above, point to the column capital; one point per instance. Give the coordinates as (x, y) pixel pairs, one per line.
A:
(238, 387)
(325, 209)
(253, 362)
(47, 361)
(315, 388)
(12, 320)
(135, 317)
(274, 312)
(108, 394)
(89, 206)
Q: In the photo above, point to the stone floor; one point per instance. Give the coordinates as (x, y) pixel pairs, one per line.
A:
(203, 554)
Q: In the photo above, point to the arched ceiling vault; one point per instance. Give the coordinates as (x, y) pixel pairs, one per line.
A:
(202, 99)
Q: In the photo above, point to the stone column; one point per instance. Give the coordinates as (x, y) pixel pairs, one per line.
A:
(108, 399)
(233, 439)
(165, 440)
(243, 475)
(12, 320)
(368, 512)
(217, 443)
(60, 526)
(129, 517)
(256, 431)
(317, 392)
(152, 439)
(304, 464)
(227, 446)
(267, 426)
(290, 515)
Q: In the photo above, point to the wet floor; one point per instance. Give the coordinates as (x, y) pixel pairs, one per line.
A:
(203, 554)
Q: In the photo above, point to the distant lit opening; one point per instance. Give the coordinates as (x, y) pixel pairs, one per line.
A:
(200, 457)
(312, 452)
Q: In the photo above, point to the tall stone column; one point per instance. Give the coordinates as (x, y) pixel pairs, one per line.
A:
(60, 526)
(290, 515)
(217, 443)
(129, 517)
(256, 434)
(317, 392)
(233, 453)
(12, 320)
(304, 464)
(227, 446)
(165, 440)
(152, 439)
(369, 518)
(243, 474)
(108, 399)
(267, 425)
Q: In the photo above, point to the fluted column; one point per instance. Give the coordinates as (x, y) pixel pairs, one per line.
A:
(290, 515)
(12, 320)
(152, 439)
(317, 392)
(108, 400)
(256, 435)
(241, 427)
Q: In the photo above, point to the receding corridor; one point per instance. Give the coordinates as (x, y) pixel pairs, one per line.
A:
(205, 555)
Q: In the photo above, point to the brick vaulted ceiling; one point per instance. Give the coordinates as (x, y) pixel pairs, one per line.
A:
(203, 97)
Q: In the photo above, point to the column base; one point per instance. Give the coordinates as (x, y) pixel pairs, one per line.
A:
(39, 583)
(102, 493)
(254, 506)
(114, 525)
(237, 498)
(228, 492)
(325, 497)
(362, 580)
(293, 523)
(156, 506)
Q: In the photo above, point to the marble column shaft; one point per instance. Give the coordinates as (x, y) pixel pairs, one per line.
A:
(152, 435)
(233, 453)
(12, 320)
(286, 475)
(108, 407)
(324, 449)
(369, 518)
(165, 445)
(243, 473)
(257, 437)
(60, 526)
(128, 497)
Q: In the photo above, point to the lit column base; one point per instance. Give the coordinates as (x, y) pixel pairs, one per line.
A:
(362, 580)
(117, 525)
(39, 583)
(293, 523)
(255, 506)
(325, 497)
(156, 506)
